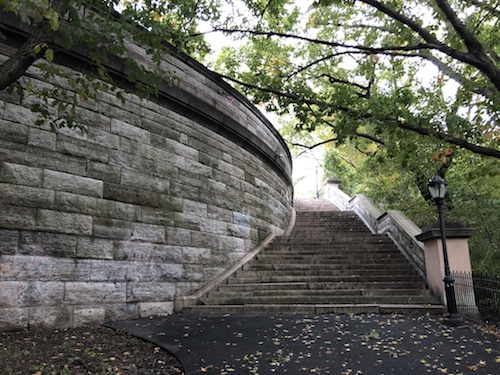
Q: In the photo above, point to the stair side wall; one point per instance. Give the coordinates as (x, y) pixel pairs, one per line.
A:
(155, 199)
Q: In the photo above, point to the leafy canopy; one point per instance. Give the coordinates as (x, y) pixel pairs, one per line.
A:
(370, 68)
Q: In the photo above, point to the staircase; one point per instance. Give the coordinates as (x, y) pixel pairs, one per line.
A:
(330, 262)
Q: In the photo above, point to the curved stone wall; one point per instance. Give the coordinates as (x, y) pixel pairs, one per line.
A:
(154, 200)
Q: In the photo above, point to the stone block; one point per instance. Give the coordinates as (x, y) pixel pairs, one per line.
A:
(127, 211)
(205, 240)
(12, 217)
(20, 174)
(81, 148)
(121, 311)
(73, 184)
(147, 252)
(93, 119)
(51, 316)
(130, 131)
(196, 208)
(153, 215)
(112, 228)
(178, 236)
(104, 138)
(169, 272)
(82, 204)
(196, 255)
(26, 196)
(129, 195)
(150, 292)
(47, 244)
(147, 309)
(9, 241)
(128, 160)
(90, 316)
(14, 132)
(19, 114)
(13, 319)
(142, 181)
(104, 172)
(148, 232)
(94, 248)
(42, 138)
(64, 222)
(30, 293)
(78, 293)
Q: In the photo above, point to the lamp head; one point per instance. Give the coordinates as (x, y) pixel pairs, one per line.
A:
(437, 187)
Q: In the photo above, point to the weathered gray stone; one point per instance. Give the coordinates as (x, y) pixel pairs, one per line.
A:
(104, 138)
(195, 255)
(30, 293)
(153, 215)
(130, 131)
(169, 272)
(147, 252)
(42, 138)
(81, 148)
(12, 319)
(94, 248)
(121, 311)
(64, 222)
(47, 244)
(150, 292)
(104, 172)
(9, 241)
(196, 208)
(13, 132)
(90, 316)
(74, 184)
(148, 232)
(20, 174)
(203, 239)
(112, 228)
(79, 293)
(129, 195)
(142, 181)
(178, 236)
(51, 316)
(26, 196)
(13, 217)
(155, 309)
(19, 114)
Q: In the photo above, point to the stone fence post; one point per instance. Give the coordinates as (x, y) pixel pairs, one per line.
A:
(458, 254)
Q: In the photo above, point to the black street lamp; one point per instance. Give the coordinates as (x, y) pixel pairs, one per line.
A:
(437, 189)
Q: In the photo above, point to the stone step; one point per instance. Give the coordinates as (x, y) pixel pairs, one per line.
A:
(228, 292)
(325, 279)
(418, 309)
(334, 266)
(312, 299)
(323, 272)
(393, 285)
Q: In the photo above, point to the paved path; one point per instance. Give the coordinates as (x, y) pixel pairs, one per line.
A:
(320, 344)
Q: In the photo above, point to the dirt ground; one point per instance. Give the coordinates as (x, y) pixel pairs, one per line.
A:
(88, 350)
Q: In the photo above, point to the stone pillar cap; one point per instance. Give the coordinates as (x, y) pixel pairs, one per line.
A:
(332, 180)
(452, 230)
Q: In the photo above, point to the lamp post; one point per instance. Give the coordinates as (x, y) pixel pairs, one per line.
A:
(437, 189)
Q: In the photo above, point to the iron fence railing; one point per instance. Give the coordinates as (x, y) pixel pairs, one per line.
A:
(478, 297)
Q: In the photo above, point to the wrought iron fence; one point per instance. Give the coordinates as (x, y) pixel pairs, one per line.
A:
(478, 297)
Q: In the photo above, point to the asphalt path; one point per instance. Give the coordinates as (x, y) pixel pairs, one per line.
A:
(321, 344)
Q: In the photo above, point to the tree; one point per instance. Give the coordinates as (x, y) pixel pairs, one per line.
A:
(368, 69)
(96, 29)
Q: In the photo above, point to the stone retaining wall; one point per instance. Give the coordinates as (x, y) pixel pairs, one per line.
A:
(156, 199)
